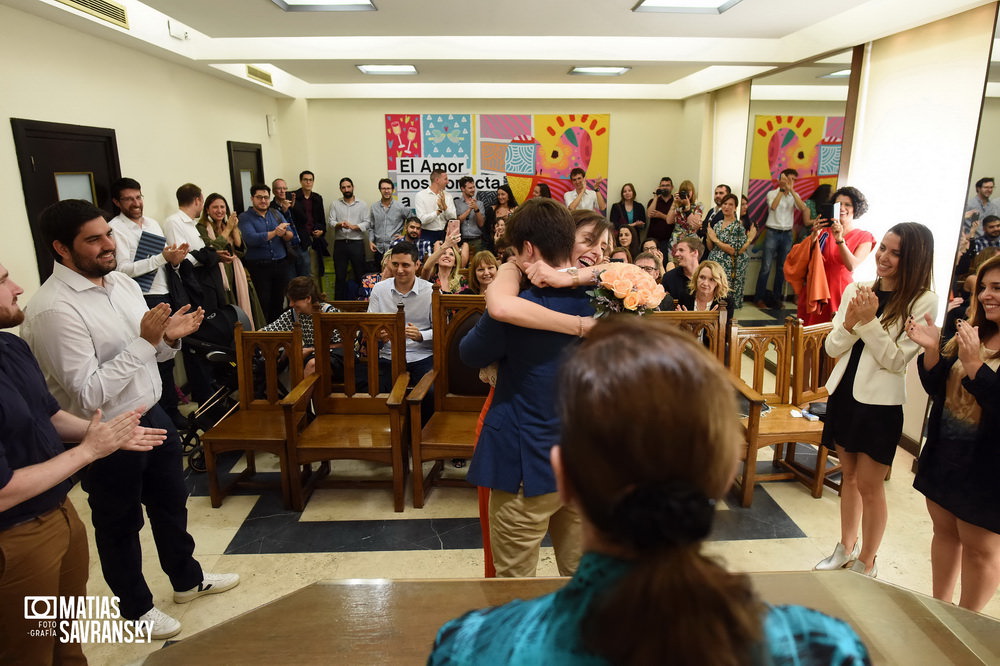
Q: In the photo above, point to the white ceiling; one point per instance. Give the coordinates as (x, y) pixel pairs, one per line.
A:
(503, 48)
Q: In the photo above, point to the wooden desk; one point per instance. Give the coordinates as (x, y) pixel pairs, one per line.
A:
(394, 622)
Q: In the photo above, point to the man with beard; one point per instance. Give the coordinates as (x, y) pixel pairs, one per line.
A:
(350, 218)
(264, 233)
(142, 253)
(97, 344)
(44, 544)
(310, 223)
(413, 233)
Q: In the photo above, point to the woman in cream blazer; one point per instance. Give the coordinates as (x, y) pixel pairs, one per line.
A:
(867, 385)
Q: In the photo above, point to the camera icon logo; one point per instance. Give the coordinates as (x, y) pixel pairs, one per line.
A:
(40, 608)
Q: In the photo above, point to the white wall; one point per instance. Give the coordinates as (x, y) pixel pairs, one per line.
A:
(731, 127)
(987, 158)
(918, 109)
(172, 123)
(347, 138)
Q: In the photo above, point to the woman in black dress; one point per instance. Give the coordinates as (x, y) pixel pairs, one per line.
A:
(959, 461)
(867, 385)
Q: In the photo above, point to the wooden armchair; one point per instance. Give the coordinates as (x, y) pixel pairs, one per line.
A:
(459, 395)
(349, 424)
(752, 351)
(350, 306)
(259, 424)
(712, 324)
(810, 369)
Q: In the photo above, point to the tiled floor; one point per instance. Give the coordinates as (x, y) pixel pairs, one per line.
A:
(356, 534)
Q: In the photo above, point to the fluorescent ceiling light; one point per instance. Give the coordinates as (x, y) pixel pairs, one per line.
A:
(325, 5)
(840, 74)
(599, 71)
(686, 6)
(387, 69)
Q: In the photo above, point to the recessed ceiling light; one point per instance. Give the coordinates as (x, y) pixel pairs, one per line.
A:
(387, 69)
(686, 6)
(325, 5)
(840, 74)
(599, 71)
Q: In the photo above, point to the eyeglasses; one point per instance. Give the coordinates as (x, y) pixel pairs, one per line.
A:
(263, 197)
(648, 269)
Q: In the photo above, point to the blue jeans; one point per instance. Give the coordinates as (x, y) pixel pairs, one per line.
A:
(776, 246)
(302, 264)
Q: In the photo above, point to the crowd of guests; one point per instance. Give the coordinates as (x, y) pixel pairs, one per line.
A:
(627, 514)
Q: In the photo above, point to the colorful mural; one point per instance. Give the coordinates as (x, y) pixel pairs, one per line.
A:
(522, 150)
(809, 144)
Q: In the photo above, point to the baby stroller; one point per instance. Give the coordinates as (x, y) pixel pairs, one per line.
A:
(214, 346)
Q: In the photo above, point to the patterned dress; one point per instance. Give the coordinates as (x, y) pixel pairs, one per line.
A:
(735, 234)
(546, 630)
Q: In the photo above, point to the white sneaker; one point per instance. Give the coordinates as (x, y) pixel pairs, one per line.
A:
(839, 558)
(210, 584)
(164, 626)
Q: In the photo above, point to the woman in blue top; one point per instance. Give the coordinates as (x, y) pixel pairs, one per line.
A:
(644, 593)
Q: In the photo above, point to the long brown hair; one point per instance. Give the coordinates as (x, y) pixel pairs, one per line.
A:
(913, 275)
(976, 311)
(652, 495)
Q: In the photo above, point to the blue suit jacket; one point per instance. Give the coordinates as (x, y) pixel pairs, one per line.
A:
(521, 426)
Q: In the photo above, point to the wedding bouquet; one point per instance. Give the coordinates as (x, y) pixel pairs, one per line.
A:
(626, 288)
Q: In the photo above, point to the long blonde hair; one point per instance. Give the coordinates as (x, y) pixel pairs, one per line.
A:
(976, 311)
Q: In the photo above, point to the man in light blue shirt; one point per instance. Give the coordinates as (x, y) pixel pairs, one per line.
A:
(387, 216)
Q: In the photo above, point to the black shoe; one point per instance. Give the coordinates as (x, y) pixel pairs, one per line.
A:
(458, 463)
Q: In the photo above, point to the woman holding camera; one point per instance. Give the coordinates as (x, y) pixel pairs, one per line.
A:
(644, 592)
(843, 246)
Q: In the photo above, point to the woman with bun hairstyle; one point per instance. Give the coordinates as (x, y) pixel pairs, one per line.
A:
(644, 593)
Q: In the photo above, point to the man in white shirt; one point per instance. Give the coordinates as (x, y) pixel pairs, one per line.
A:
(415, 294)
(197, 282)
(781, 203)
(434, 207)
(580, 197)
(143, 253)
(350, 218)
(180, 227)
(97, 345)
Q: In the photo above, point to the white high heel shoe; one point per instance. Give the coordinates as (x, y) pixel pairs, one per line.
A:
(839, 557)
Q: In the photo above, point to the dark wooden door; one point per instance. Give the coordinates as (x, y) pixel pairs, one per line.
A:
(246, 168)
(59, 161)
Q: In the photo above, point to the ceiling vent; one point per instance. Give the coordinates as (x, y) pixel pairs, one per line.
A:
(259, 75)
(106, 10)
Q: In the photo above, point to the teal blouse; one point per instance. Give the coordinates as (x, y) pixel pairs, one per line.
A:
(546, 630)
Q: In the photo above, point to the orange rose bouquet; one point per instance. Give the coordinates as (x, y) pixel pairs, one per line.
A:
(626, 288)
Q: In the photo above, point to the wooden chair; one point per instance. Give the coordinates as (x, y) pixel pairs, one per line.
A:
(459, 395)
(712, 324)
(259, 424)
(349, 424)
(811, 367)
(777, 427)
(350, 306)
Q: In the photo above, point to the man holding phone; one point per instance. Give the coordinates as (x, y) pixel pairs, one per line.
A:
(299, 247)
(781, 203)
